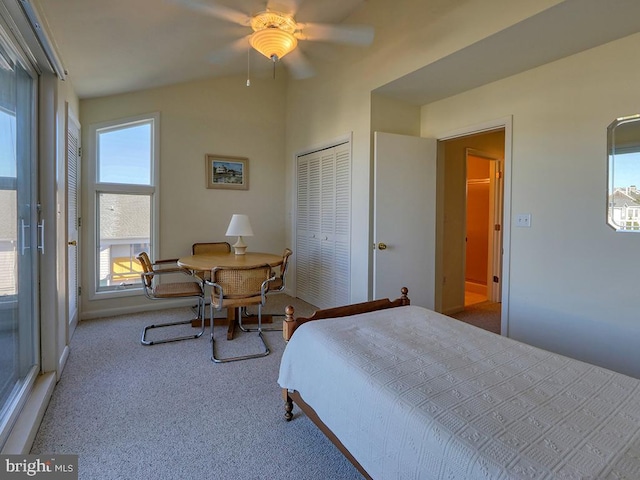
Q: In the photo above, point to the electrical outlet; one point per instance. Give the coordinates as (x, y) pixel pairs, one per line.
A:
(523, 220)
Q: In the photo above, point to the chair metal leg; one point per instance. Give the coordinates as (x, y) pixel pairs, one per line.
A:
(244, 329)
(244, 313)
(144, 340)
(263, 353)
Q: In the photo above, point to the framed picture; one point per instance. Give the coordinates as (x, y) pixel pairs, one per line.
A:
(227, 172)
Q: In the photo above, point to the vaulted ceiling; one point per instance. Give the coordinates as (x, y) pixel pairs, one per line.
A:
(118, 46)
(115, 46)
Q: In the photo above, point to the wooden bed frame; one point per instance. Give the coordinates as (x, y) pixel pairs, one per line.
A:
(288, 328)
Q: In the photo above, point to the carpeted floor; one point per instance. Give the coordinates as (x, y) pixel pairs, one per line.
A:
(167, 412)
(485, 315)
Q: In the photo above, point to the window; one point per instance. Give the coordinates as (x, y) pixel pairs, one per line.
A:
(124, 198)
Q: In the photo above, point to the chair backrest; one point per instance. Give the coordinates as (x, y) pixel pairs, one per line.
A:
(285, 264)
(242, 282)
(213, 247)
(279, 283)
(147, 269)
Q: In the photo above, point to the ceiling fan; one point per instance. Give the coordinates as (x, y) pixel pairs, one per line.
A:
(276, 33)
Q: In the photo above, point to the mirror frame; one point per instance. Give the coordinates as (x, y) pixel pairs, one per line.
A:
(611, 159)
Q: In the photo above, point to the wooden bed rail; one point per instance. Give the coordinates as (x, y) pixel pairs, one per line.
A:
(290, 323)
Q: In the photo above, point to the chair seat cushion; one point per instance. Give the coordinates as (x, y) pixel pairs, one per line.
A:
(179, 289)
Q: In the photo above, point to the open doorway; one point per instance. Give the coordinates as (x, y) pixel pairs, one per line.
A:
(483, 233)
(471, 226)
(473, 192)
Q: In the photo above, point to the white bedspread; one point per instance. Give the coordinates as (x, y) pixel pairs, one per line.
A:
(414, 394)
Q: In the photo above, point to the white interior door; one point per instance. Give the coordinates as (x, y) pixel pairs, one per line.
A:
(73, 175)
(404, 230)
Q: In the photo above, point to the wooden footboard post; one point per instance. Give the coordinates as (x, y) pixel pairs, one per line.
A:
(289, 323)
(404, 299)
(288, 405)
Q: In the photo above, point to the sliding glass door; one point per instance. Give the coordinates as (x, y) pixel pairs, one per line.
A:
(19, 233)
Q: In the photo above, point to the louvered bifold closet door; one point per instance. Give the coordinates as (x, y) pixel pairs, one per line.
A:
(315, 256)
(323, 226)
(327, 223)
(342, 226)
(302, 230)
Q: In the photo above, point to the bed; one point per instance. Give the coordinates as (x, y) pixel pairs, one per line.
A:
(405, 392)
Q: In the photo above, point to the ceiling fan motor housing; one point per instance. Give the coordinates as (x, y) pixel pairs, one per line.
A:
(273, 34)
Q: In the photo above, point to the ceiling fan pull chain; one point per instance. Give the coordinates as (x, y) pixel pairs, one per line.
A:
(248, 65)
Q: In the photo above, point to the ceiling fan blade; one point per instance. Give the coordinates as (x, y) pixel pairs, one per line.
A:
(360, 35)
(298, 65)
(215, 10)
(230, 50)
(284, 6)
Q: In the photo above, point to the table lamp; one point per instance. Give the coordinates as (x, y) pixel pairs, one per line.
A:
(240, 226)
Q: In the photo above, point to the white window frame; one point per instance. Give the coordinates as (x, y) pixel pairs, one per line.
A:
(96, 188)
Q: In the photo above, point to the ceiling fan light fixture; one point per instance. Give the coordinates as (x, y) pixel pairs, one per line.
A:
(273, 43)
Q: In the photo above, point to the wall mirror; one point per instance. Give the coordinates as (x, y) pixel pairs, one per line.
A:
(623, 195)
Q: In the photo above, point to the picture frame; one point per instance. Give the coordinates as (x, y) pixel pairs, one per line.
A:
(226, 172)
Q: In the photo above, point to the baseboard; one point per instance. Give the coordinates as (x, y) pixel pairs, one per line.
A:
(149, 307)
(63, 361)
(111, 312)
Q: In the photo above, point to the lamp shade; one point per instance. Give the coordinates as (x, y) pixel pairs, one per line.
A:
(273, 43)
(239, 226)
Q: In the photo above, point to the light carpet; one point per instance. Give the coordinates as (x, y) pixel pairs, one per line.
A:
(167, 412)
(485, 315)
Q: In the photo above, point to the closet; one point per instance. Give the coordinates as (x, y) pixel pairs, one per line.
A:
(323, 226)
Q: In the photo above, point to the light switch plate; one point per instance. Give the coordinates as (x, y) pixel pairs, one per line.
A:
(523, 220)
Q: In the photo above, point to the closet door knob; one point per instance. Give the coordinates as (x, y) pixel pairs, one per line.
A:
(382, 246)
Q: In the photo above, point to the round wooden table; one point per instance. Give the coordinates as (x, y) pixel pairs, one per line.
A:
(207, 262)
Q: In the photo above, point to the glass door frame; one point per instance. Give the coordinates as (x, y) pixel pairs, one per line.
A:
(29, 232)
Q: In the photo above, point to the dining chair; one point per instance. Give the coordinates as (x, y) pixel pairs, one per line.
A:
(154, 289)
(237, 287)
(276, 285)
(205, 248)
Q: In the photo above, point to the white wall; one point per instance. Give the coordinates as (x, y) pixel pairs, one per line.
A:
(219, 116)
(574, 285)
(337, 101)
(572, 279)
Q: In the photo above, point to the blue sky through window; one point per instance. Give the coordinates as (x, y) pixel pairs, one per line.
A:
(7, 145)
(125, 155)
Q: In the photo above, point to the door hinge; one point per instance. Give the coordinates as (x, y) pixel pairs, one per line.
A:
(496, 227)
(79, 291)
(496, 279)
(79, 222)
(79, 151)
(499, 174)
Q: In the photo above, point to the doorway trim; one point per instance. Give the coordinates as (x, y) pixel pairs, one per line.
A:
(505, 123)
